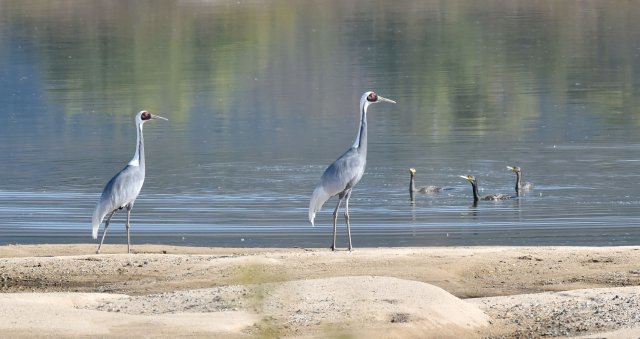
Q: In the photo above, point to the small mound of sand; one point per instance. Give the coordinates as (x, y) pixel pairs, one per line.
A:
(66, 314)
(568, 313)
(373, 302)
(358, 306)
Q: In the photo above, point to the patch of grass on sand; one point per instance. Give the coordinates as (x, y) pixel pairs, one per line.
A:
(259, 280)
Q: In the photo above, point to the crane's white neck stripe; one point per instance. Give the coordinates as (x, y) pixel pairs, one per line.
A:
(363, 116)
(136, 157)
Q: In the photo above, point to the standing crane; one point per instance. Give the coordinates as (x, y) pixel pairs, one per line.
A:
(344, 173)
(123, 189)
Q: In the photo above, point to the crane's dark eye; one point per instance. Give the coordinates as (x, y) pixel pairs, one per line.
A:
(372, 97)
(145, 115)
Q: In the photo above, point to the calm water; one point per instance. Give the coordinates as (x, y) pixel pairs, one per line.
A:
(263, 95)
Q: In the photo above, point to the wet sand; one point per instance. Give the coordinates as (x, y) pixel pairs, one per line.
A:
(67, 290)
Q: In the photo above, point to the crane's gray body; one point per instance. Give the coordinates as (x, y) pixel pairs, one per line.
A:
(120, 192)
(339, 178)
(123, 189)
(344, 173)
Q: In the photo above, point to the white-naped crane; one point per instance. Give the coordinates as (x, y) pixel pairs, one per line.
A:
(344, 173)
(123, 189)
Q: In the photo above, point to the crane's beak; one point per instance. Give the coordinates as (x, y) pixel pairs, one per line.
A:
(383, 99)
(158, 117)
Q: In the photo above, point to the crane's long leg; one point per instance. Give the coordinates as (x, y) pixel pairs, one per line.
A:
(335, 220)
(106, 225)
(129, 207)
(346, 217)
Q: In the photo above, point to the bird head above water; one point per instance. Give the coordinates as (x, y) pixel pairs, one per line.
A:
(514, 169)
(412, 171)
(371, 97)
(469, 178)
(143, 116)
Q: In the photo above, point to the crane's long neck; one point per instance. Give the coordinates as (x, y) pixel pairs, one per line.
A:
(138, 157)
(361, 138)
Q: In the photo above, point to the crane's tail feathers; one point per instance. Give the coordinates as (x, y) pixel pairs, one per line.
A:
(319, 197)
(97, 220)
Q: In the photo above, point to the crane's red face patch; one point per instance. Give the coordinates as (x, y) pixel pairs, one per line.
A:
(372, 97)
(145, 115)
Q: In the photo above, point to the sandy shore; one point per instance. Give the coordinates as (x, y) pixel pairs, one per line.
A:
(66, 290)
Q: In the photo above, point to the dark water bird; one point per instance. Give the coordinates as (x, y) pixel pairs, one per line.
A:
(344, 173)
(476, 196)
(422, 189)
(123, 189)
(520, 186)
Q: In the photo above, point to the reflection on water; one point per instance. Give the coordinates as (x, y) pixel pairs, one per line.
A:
(261, 96)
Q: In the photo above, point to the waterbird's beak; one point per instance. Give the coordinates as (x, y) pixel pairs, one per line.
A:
(383, 99)
(158, 117)
(464, 177)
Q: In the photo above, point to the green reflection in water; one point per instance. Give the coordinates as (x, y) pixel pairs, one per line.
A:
(490, 66)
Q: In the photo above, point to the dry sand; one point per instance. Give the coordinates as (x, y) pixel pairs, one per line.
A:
(166, 291)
